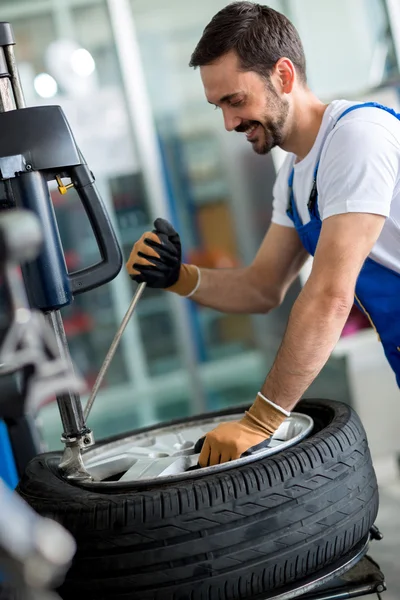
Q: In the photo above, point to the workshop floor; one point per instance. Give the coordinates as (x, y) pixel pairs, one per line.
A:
(387, 552)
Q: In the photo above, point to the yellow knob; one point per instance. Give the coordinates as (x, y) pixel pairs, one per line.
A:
(63, 189)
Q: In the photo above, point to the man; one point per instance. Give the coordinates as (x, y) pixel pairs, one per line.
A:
(337, 197)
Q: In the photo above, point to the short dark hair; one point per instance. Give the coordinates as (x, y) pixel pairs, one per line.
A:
(258, 34)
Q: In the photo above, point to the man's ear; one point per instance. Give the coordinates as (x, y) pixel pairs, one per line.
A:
(285, 75)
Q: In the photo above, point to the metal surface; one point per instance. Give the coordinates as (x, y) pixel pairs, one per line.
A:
(29, 341)
(3, 64)
(113, 348)
(6, 34)
(326, 576)
(355, 592)
(14, 75)
(35, 552)
(76, 435)
(69, 404)
(71, 465)
(20, 237)
(34, 141)
(27, 325)
(7, 94)
(16, 293)
(6, 100)
(167, 452)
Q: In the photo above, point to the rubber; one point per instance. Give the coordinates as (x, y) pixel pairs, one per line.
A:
(227, 536)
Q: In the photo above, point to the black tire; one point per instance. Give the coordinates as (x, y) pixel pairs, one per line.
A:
(227, 536)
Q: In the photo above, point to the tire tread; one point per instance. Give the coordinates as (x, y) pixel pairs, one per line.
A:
(228, 536)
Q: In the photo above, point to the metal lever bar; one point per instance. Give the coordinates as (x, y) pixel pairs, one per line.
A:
(112, 350)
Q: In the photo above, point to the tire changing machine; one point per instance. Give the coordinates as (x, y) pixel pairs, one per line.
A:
(36, 146)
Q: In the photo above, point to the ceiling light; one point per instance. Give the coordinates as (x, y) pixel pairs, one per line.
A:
(82, 62)
(45, 85)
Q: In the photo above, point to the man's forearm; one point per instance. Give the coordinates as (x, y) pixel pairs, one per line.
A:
(232, 291)
(315, 324)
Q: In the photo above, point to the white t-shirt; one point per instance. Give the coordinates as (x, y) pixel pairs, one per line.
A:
(359, 171)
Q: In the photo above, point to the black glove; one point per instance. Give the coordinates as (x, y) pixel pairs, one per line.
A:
(156, 258)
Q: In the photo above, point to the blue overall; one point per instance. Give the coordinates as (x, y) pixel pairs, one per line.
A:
(377, 291)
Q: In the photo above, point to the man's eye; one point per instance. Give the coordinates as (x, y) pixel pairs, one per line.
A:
(239, 103)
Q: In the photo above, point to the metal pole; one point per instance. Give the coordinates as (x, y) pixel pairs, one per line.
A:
(6, 102)
(132, 347)
(14, 77)
(6, 99)
(112, 349)
(70, 405)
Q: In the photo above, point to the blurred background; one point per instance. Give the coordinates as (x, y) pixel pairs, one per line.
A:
(119, 69)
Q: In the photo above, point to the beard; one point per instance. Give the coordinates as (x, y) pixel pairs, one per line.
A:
(271, 131)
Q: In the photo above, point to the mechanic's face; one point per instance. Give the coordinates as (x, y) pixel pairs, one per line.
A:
(250, 103)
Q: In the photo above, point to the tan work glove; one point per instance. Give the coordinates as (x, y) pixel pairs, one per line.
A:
(157, 260)
(229, 441)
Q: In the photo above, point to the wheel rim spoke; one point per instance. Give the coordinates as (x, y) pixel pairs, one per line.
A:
(145, 469)
(169, 451)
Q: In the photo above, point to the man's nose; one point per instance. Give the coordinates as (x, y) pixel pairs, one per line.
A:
(231, 122)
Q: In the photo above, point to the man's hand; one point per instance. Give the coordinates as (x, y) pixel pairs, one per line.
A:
(229, 441)
(156, 259)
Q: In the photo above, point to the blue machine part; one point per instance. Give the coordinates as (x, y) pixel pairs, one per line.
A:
(8, 470)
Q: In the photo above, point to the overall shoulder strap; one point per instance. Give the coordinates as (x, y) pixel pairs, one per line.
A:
(292, 210)
(313, 201)
(369, 105)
